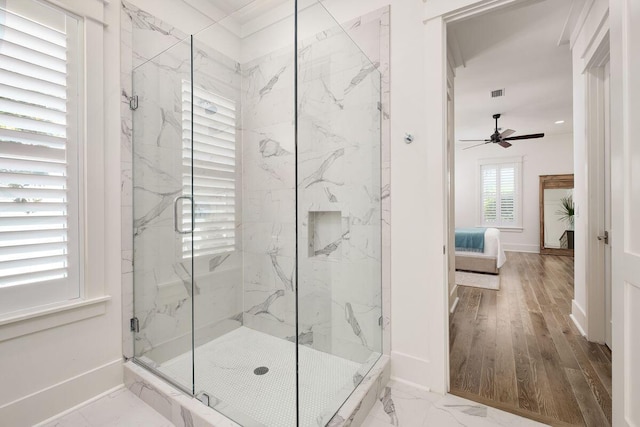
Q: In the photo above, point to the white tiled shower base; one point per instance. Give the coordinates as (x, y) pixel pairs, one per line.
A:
(225, 371)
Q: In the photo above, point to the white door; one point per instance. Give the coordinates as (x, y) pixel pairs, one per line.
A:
(607, 204)
(625, 196)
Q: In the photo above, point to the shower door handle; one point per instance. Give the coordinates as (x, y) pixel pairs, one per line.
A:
(176, 224)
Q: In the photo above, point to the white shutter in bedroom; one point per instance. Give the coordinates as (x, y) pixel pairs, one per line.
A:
(39, 201)
(499, 194)
(213, 156)
(507, 193)
(489, 197)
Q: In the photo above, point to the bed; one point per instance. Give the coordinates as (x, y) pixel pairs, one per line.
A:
(486, 256)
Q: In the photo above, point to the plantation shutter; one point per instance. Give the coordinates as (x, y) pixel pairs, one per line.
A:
(507, 193)
(499, 195)
(214, 171)
(35, 201)
(489, 195)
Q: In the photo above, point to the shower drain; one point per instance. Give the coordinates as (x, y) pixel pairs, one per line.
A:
(261, 370)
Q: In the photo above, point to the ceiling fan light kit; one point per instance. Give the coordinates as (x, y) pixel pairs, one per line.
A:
(502, 138)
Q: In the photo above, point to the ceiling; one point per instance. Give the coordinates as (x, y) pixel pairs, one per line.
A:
(241, 11)
(515, 49)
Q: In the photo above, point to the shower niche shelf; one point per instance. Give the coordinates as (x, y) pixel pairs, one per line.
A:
(327, 231)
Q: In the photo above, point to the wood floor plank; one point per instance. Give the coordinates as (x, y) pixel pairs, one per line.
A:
(527, 398)
(544, 396)
(460, 353)
(567, 406)
(471, 379)
(505, 368)
(599, 391)
(518, 347)
(591, 411)
(593, 352)
(604, 373)
(567, 358)
(487, 372)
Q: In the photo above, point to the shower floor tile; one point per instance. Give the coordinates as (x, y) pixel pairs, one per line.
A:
(224, 369)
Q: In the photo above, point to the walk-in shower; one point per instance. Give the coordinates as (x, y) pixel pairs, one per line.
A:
(256, 211)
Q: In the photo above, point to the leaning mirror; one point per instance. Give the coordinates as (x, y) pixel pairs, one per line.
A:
(556, 215)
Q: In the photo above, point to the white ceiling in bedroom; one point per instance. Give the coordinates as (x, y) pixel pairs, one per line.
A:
(515, 49)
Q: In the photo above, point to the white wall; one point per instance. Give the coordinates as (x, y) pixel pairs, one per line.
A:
(417, 238)
(550, 155)
(48, 371)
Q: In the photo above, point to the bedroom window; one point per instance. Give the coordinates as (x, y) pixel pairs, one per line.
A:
(214, 172)
(500, 193)
(40, 155)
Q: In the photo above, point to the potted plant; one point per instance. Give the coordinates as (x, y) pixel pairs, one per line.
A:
(566, 210)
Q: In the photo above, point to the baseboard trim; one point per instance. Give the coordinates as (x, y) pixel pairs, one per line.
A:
(410, 384)
(515, 247)
(410, 370)
(575, 322)
(454, 305)
(49, 402)
(80, 405)
(578, 316)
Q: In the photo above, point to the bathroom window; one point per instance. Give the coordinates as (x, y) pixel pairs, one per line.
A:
(40, 155)
(214, 172)
(500, 193)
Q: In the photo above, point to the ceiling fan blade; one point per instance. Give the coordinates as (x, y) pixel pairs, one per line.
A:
(531, 136)
(477, 145)
(504, 144)
(474, 140)
(507, 133)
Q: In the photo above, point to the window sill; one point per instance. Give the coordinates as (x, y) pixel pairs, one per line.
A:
(16, 325)
(505, 229)
(511, 229)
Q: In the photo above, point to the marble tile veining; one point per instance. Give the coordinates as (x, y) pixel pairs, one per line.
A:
(120, 408)
(402, 406)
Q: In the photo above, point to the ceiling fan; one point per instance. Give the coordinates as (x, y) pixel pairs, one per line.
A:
(502, 139)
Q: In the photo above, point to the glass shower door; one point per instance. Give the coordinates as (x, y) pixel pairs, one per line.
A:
(162, 215)
(244, 240)
(339, 215)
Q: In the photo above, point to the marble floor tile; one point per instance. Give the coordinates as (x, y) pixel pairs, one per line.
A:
(120, 408)
(403, 406)
(398, 405)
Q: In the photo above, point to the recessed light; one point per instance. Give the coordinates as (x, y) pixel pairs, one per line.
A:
(559, 122)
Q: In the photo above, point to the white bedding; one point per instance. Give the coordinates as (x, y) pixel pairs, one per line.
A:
(492, 248)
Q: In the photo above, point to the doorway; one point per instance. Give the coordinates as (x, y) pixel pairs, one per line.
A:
(516, 348)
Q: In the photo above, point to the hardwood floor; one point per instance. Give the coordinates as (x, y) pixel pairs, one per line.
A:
(517, 349)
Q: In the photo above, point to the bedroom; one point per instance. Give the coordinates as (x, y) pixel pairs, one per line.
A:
(514, 342)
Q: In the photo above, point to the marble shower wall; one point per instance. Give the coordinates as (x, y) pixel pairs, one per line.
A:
(162, 275)
(339, 188)
(258, 279)
(342, 196)
(268, 134)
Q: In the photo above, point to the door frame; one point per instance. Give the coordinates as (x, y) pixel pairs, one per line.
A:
(595, 134)
(596, 55)
(436, 22)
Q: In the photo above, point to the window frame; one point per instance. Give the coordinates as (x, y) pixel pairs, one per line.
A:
(517, 161)
(187, 239)
(36, 294)
(94, 188)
